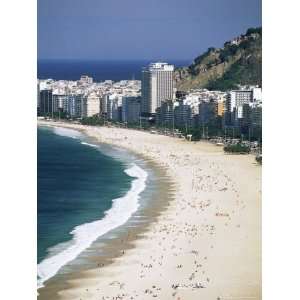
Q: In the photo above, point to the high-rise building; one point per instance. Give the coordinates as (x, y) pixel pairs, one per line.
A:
(74, 105)
(257, 94)
(60, 102)
(103, 104)
(182, 114)
(46, 102)
(207, 112)
(240, 97)
(114, 107)
(165, 114)
(157, 86)
(131, 109)
(91, 105)
(234, 105)
(38, 97)
(256, 116)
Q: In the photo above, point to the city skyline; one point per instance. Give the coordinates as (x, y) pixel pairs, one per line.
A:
(150, 30)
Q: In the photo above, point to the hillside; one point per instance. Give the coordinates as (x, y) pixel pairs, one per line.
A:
(238, 62)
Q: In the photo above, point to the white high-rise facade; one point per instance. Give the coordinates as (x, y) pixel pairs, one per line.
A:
(157, 86)
(91, 105)
(237, 99)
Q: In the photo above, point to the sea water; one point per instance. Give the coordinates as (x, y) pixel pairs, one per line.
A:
(99, 70)
(83, 193)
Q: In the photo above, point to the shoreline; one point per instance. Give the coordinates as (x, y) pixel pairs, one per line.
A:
(109, 247)
(212, 224)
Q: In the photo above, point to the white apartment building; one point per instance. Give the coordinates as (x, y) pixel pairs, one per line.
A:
(75, 105)
(60, 101)
(157, 86)
(236, 99)
(91, 105)
(257, 94)
(114, 104)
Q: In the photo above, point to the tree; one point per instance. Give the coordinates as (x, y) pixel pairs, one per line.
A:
(238, 149)
(94, 120)
(254, 30)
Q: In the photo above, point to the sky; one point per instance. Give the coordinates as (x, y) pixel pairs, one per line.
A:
(140, 29)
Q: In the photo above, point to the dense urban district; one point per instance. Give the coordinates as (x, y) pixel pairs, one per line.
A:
(183, 102)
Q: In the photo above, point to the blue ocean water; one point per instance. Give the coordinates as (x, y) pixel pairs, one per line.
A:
(99, 70)
(76, 184)
(77, 190)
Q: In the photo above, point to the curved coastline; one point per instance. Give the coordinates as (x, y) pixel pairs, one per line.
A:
(85, 234)
(119, 214)
(213, 220)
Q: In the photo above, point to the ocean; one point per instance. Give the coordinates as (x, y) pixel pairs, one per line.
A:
(84, 191)
(99, 70)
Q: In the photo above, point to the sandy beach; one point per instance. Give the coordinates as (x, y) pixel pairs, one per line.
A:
(205, 245)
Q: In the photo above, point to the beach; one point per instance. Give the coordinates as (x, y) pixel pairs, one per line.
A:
(206, 243)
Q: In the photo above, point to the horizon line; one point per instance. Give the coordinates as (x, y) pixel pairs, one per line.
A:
(118, 59)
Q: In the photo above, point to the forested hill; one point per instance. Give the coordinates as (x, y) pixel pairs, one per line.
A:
(237, 63)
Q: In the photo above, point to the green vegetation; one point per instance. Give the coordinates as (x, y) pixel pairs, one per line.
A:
(227, 52)
(239, 74)
(258, 158)
(55, 115)
(60, 115)
(208, 58)
(237, 148)
(254, 30)
(206, 131)
(101, 121)
(237, 63)
(94, 120)
(246, 70)
(201, 57)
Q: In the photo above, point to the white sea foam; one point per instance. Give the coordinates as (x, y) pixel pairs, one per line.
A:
(91, 145)
(67, 132)
(84, 235)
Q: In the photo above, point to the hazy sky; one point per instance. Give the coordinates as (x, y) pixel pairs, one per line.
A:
(140, 29)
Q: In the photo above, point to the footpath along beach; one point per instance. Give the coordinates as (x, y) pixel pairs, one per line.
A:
(205, 245)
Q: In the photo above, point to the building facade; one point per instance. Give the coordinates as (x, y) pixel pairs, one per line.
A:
(221, 108)
(84, 79)
(208, 111)
(131, 109)
(235, 104)
(165, 114)
(38, 104)
(114, 107)
(103, 104)
(256, 116)
(182, 114)
(60, 102)
(74, 105)
(91, 105)
(157, 86)
(46, 102)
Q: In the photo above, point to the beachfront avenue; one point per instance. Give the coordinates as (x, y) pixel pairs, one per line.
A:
(225, 117)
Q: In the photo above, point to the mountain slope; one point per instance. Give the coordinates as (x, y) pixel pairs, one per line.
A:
(238, 62)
